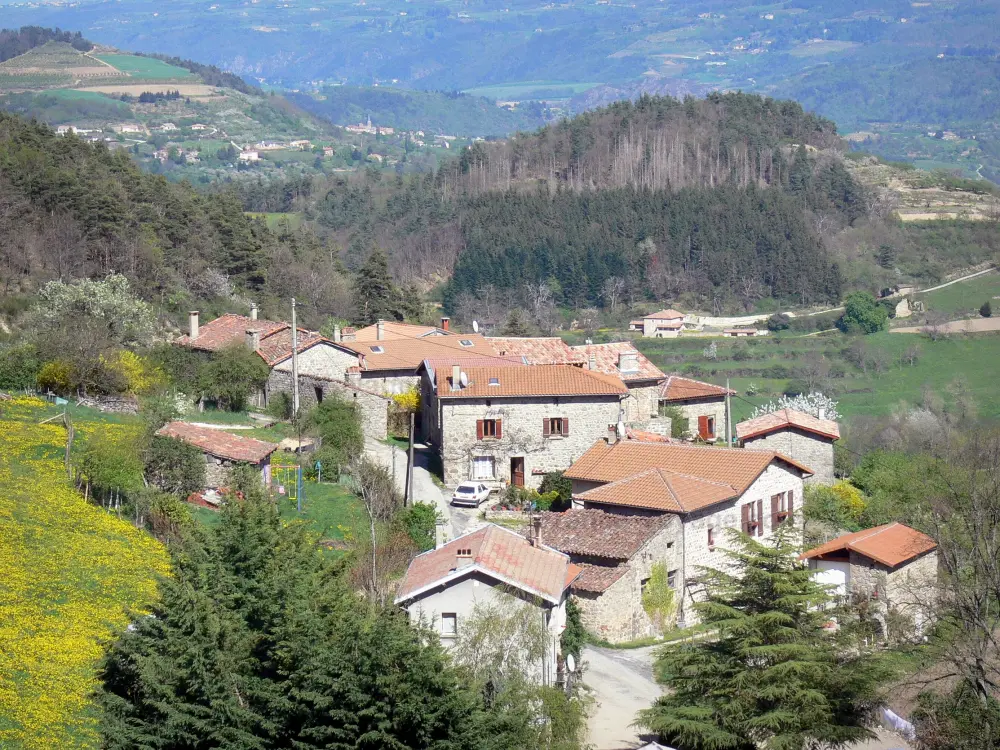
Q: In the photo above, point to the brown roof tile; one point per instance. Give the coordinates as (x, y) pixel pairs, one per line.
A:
(497, 552)
(550, 350)
(599, 534)
(219, 442)
(228, 328)
(891, 544)
(661, 489)
(530, 380)
(668, 314)
(608, 356)
(393, 330)
(277, 346)
(609, 462)
(677, 388)
(597, 579)
(408, 353)
(783, 418)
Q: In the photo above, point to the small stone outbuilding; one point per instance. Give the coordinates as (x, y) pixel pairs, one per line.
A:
(222, 451)
(797, 435)
(703, 404)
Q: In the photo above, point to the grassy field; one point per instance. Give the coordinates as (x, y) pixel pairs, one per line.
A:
(527, 89)
(291, 221)
(145, 67)
(965, 298)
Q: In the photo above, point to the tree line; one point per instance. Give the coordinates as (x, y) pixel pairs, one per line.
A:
(14, 42)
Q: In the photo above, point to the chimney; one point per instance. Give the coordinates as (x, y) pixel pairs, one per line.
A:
(253, 311)
(380, 330)
(628, 361)
(336, 334)
(592, 363)
(822, 414)
(445, 324)
(536, 531)
(456, 377)
(253, 340)
(193, 324)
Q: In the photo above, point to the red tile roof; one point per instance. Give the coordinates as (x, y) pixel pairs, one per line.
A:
(609, 462)
(676, 388)
(228, 328)
(892, 544)
(661, 489)
(597, 579)
(219, 442)
(668, 314)
(550, 350)
(599, 534)
(277, 347)
(607, 358)
(408, 353)
(498, 553)
(530, 380)
(393, 330)
(785, 418)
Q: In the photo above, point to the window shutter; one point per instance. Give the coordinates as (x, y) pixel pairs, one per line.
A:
(479, 429)
(760, 517)
(745, 510)
(703, 428)
(565, 425)
(499, 429)
(545, 427)
(791, 503)
(775, 509)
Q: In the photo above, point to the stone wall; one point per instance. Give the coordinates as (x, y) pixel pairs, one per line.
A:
(373, 409)
(909, 589)
(706, 407)
(323, 361)
(642, 402)
(389, 382)
(217, 471)
(807, 448)
(589, 418)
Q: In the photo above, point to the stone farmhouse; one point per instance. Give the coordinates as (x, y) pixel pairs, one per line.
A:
(797, 435)
(222, 451)
(616, 554)
(709, 490)
(703, 404)
(442, 588)
(512, 423)
(665, 324)
(892, 566)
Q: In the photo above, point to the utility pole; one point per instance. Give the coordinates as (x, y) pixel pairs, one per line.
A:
(295, 364)
(408, 500)
(729, 417)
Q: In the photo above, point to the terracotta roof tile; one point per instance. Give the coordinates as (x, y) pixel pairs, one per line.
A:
(550, 350)
(610, 462)
(668, 314)
(408, 353)
(530, 380)
(277, 346)
(891, 544)
(676, 388)
(661, 489)
(597, 579)
(219, 442)
(599, 534)
(393, 330)
(607, 358)
(497, 552)
(783, 418)
(228, 328)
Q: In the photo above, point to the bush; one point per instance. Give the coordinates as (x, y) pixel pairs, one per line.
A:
(863, 314)
(841, 505)
(678, 422)
(986, 310)
(56, 376)
(233, 373)
(419, 522)
(796, 388)
(555, 482)
(337, 423)
(658, 597)
(778, 322)
(174, 466)
(19, 366)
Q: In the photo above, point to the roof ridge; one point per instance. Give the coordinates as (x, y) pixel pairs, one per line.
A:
(697, 478)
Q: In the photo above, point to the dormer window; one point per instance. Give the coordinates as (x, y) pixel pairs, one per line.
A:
(466, 343)
(494, 381)
(376, 349)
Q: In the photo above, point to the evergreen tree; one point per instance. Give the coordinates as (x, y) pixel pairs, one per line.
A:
(771, 676)
(375, 295)
(516, 324)
(986, 310)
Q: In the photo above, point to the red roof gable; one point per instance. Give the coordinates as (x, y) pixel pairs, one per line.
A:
(669, 314)
(219, 442)
(607, 358)
(529, 380)
(228, 328)
(784, 418)
(498, 553)
(891, 544)
(677, 388)
(550, 350)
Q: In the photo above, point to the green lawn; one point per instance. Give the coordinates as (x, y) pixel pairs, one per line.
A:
(332, 511)
(280, 220)
(145, 67)
(964, 298)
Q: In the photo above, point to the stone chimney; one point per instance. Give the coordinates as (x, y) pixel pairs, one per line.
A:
(592, 362)
(253, 340)
(535, 537)
(445, 324)
(628, 361)
(380, 330)
(336, 334)
(822, 414)
(193, 324)
(456, 377)
(253, 311)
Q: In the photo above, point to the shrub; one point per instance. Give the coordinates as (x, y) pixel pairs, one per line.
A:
(862, 314)
(419, 522)
(19, 366)
(658, 597)
(337, 423)
(778, 322)
(678, 422)
(555, 482)
(232, 374)
(841, 504)
(56, 376)
(986, 310)
(174, 466)
(138, 375)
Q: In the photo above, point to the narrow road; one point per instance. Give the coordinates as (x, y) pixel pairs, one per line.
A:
(955, 281)
(623, 685)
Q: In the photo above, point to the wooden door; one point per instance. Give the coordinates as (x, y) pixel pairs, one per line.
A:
(517, 471)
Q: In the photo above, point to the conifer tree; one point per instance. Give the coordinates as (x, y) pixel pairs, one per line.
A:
(771, 675)
(375, 295)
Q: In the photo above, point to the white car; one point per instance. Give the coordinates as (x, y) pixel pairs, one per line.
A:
(470, 494)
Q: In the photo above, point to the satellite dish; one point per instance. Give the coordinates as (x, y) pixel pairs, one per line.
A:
(464, 380)
(475, 326)
(570, 663)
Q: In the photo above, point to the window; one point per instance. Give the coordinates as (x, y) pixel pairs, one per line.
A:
(642, 585)
(449, 624)
(782, 506)
(494, 381)
(711, 538)
(489, 429)
(376, 349)
(672, 578)
(751, 515)
(465, 342)
(483, 467)
(318, 390)
(706, 428)
(555, 427)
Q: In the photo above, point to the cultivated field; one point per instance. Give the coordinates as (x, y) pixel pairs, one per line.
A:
(145, 67)
(186, 89)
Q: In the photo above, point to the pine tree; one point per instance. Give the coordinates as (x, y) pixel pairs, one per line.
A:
(771, 675)
(516, 324)
(375, 295)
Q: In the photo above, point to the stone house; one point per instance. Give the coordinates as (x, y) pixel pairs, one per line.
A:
(892, 566)
(665, 324)
(616, 554)
(710, 490)
(513, 423)
(797, 435)
(703, 404)
(442, 588)
(222, 451)
(743, 332)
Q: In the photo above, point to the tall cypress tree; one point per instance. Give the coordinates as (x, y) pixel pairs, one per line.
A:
(375, 295)
(771, 675)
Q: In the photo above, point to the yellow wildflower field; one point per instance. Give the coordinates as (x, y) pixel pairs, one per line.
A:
(70, 575)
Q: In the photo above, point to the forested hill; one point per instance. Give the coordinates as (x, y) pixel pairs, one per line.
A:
(722, 197)
(14, 42)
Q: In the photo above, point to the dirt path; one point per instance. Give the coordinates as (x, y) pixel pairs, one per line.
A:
(975, 325)
(955, 281)
(622, 681)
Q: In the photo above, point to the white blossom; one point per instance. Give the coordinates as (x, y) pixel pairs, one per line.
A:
(815, 403)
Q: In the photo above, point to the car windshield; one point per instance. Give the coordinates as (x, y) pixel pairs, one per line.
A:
(466, 489)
